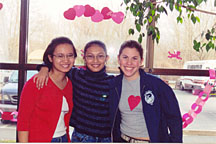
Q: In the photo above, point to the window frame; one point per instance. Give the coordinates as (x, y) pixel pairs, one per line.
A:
(22, 66)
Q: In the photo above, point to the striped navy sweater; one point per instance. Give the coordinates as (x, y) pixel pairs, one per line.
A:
(90, 96)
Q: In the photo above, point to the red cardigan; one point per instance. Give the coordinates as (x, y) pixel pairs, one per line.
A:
(39, 110)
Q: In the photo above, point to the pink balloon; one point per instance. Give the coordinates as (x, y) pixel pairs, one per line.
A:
(118, 17)
(97, 17)
(89, 11)
(106, 12)
(1, 6)
(70, 14)
(79, 10)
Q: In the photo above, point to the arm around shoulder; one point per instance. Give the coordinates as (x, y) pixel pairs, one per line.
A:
(42, 77)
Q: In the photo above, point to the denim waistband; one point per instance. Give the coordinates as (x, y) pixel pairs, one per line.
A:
(60, 139)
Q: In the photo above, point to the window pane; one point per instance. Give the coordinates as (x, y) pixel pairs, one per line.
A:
(9, 38)
(179, 37)
(8, 103)
(47, 22)
(202, 129)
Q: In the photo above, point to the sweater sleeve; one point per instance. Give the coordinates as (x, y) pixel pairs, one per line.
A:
(38, 67)
(172, 113)
(27, 105)
(71, 73)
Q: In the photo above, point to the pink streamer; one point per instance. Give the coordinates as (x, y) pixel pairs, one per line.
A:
(197, 107)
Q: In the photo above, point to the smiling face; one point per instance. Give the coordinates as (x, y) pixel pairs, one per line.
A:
(63, 58)
(130, 62)
(95, 58)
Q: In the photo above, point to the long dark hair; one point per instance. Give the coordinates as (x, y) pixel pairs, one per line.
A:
(51, 48)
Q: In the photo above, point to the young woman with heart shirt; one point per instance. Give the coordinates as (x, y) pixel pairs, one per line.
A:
(90, 116)
(142, 107)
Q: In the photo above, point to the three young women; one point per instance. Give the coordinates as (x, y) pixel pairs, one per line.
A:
(142, 108)
(44, 114)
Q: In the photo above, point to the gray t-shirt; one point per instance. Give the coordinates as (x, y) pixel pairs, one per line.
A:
(133, 123)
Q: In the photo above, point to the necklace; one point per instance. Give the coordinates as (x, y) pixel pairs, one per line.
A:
(60, 84)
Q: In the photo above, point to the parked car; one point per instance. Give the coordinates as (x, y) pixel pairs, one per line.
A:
(9, 91)
(9, 97)
(196, 84)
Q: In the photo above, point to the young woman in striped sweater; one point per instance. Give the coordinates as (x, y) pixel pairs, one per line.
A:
(90, 116)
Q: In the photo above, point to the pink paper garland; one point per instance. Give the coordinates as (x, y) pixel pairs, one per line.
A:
(96, 15)
(196, 107)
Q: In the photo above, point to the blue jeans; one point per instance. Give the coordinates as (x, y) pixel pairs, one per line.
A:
(60, 139)
(79, 137)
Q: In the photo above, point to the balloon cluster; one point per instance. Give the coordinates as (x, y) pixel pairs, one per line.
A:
(96, 15)
(196, 107)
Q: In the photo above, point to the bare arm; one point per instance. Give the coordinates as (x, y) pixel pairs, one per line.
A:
(23, 136)
(42, 77)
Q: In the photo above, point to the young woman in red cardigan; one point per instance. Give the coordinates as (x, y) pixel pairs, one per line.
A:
(44, 113)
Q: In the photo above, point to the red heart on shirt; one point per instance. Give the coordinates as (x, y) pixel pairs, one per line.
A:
(133, 101)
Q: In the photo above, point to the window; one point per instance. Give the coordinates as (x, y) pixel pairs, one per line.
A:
(46, 21)
(9, 38)
(176, 37)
